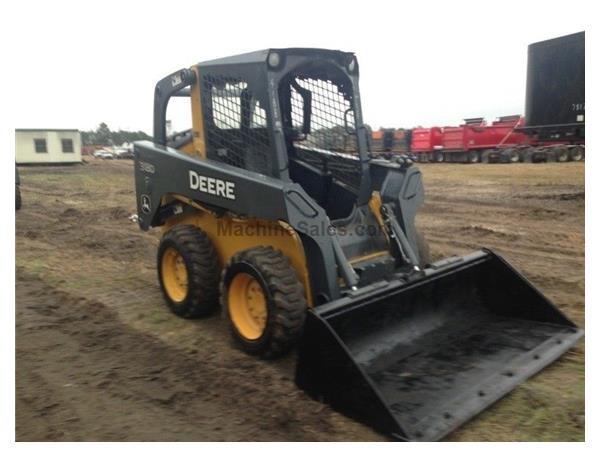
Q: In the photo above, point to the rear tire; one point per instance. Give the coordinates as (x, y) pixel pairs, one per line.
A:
(438, 157)
(576, 153)
(263, 301)
(188, 271)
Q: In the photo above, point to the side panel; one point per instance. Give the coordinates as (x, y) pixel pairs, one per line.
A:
(161, 171)
(404, 189)
(454, 138)
(556, 82)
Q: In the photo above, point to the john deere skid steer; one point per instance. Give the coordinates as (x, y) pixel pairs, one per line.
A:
(272, 205)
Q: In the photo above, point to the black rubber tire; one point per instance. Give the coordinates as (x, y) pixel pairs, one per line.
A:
(473, 156)
(527, 154)
(562, 154)
(17, 197)
(286, 302)
(203, 270)
(576, 153)
(485, 156)
(423, 249)
(512, 156)
(438, 157)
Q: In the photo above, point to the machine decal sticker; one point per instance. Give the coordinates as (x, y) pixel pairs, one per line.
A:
(146, 204)
(212, 186)
(147, 167)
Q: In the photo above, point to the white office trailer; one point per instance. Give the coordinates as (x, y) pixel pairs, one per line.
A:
(51, 146)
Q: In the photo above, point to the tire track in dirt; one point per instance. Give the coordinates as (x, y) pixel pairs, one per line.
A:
(97, 379)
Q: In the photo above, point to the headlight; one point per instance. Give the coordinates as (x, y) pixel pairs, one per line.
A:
(274, 59)
(352, 65)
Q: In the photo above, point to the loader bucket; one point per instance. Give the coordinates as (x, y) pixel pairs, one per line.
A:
(417, 359)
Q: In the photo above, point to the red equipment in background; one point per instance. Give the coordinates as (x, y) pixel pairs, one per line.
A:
(471, 142)
(553, 128)
(475, 141)
(424, 141)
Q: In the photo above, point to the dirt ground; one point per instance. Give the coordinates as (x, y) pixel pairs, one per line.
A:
(99, 356)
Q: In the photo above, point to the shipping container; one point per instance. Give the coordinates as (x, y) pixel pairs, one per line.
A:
(555, 95)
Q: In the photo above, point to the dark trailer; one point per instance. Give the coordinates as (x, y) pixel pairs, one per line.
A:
(555, 92)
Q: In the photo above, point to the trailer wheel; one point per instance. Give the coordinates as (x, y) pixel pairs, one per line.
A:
(512, 155)
(562, 154)
(473, 156)
(527, 154)
(438, 157)
(263, 301)
(188, 271)
(485, 156)
(576, 153)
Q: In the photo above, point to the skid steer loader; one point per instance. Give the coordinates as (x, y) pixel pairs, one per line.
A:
(272, 205)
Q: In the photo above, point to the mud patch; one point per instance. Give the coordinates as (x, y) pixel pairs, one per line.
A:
(484, 230)
(71, 213)
(86, 366)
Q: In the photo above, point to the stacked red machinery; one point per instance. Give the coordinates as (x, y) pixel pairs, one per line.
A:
(553, 128)
(501, 141)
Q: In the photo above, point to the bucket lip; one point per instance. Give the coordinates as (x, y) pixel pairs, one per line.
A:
(398, 432)
(470, 403)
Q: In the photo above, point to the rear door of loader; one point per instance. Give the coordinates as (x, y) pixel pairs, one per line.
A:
(418, 359)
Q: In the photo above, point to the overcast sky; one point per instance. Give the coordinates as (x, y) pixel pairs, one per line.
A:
(422, 63)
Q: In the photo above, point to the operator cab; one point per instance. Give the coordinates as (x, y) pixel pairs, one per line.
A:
(285, 113)
(317, 112)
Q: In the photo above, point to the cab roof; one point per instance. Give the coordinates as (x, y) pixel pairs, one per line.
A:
(260, 56)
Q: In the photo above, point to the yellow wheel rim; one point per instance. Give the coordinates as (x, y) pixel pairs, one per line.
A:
(247, 306)
(174, 275)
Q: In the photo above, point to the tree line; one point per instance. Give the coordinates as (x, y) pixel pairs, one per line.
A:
(103, 135)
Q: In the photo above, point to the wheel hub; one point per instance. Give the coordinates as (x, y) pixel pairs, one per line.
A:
(247, 306)
(174, 274)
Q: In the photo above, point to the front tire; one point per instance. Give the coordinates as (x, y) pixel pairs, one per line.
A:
(188, 271)
(263, 301)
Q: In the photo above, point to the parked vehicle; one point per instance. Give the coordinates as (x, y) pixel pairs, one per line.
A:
(103, 154)
(123, 153)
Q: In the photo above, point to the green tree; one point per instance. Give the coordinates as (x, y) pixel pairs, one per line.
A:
(103, 135)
